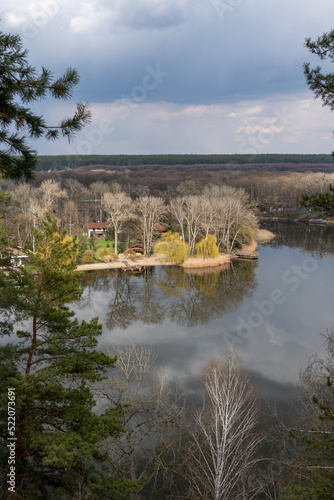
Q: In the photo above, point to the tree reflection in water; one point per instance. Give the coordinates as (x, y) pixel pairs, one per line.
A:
(185, 297)
(317, 240)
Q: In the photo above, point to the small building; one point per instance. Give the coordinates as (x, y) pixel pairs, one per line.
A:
(158, 229)
(137, 247)
(20, 257)
(96, 229)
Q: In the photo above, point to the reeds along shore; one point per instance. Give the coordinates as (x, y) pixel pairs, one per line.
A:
(195, 262)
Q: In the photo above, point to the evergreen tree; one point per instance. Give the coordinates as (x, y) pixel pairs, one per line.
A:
(321, 202)
(314, 467)
(321, 84)
(20, 85)
(49, 363)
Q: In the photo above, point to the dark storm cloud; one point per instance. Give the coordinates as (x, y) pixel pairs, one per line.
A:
(239, 53)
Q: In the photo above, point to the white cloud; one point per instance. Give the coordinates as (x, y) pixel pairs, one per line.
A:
(297, 125)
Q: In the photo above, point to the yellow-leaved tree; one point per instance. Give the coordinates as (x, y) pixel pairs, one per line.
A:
(173, 248)
(207, 248)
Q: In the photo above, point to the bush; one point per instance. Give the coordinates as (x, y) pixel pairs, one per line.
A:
(131, 254)
(103, 252)
(88, 257)
(109, 258)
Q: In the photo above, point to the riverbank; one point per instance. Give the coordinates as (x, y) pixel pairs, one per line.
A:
(123, 261)
(263, 235)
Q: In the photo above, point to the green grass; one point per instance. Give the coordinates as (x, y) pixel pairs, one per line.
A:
(104, 244)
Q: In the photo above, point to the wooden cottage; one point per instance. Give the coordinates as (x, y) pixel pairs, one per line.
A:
(96, 229)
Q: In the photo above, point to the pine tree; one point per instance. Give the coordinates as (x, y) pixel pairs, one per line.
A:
(49, 364)
(321, 202)
(314, 466)
(321, 84)
(20, 85)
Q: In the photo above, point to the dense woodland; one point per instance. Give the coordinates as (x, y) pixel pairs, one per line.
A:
(293, 162)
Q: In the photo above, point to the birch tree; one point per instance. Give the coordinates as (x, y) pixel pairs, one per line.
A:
(225, 439)
(188, 212)
(50, 191)
(150, 210)
(98, 190)
(118, 208)
(151, 411)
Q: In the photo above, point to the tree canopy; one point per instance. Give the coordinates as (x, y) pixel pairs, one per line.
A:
(322, 84)
(322, 202)
(21, 85)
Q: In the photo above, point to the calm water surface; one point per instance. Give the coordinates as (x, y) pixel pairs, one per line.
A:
(272, 311)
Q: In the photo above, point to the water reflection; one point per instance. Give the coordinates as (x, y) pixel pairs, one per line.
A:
(185, 297)
(186, 316)
(317, 240)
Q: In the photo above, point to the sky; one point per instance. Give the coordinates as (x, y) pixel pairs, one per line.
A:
(181, 76)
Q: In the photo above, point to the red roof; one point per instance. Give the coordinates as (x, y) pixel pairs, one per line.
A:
(159, 227)
(96, 225)
(137, 245)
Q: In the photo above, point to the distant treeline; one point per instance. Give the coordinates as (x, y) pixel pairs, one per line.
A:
(63, 162)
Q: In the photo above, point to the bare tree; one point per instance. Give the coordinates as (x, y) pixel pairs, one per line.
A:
(225, 439)
(118, 207)
(36, 213)
(188, 210)
(98, 190)
(151, 411)
(150, 209)
(70, 216)
(176, 207)
(50, 191)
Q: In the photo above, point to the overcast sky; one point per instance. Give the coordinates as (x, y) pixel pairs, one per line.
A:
(181, 76)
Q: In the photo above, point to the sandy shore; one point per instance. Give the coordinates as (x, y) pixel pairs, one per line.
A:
(264, 235)
(124, 261)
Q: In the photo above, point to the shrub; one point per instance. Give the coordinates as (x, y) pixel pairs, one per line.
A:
(103, 252)
(131, 254)
(109, 258)
(88, 257)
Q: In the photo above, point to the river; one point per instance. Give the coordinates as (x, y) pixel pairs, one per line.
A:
(272, 311)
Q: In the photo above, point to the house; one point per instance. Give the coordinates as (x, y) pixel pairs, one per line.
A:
(96, 229)
(20, 257)
(159, 229)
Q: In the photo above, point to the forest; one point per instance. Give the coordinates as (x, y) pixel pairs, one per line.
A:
(283, 162)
